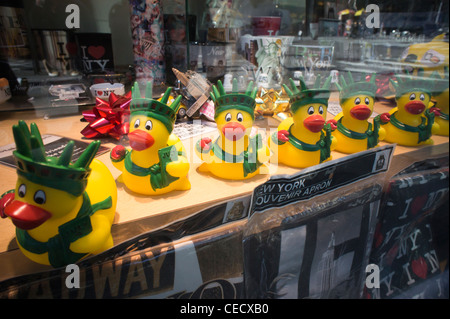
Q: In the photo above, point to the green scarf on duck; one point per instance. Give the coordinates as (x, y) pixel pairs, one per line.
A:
(372, 135)
(58, 247)
(423, 129)
(159, 178)
(323, 144)
(248, 158)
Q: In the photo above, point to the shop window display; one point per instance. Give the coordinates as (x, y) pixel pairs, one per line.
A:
(321, 83)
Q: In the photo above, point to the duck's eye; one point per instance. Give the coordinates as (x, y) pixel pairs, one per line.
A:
(137, 123)
(412, 97)
(367, 101)
(228, 117)
(357, 101)
(148, 125)
(240, 117)
(321, 109)
(311, 110)
(39, 197)
(22, 190)
(422, 97)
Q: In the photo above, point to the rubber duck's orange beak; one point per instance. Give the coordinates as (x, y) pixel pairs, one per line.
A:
(233, 131)
(415, 107)
(360, 112)
(26, 216)
(140, 140)
(314, 123)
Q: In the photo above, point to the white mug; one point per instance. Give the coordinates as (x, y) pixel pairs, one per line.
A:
(103, 90)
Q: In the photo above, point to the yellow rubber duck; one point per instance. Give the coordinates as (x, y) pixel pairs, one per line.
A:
(354, 133)
(234, 155)
(440, 97)
(156, 163)
(304, 139)
(411, 122)
(63, 212)
(432, 59)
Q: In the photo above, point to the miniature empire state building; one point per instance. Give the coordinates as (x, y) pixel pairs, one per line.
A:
(327, 267)
(197, 86)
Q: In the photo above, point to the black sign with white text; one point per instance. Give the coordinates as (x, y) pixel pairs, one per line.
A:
(281, 191)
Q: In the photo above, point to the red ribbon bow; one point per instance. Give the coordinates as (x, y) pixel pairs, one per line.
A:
(382, 82)
(108, 118)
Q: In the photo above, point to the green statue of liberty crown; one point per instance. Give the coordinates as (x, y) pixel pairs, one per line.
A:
(317, 94)
(55, 172)
(411, 83)
(158, 110)
(349, 88)
(234, 100)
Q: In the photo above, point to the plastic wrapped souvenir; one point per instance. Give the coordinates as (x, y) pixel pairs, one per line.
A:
(354, 133)
(235, 154)
(411, 121)
(305, 138)
(156, 163)
(62, 211)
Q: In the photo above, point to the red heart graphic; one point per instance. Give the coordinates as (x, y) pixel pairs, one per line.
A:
(71, 47)
(418, 204)
(96, 51)
(100, 93)
(378, 237)
(419, 267)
